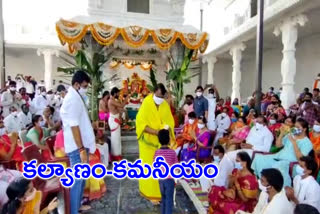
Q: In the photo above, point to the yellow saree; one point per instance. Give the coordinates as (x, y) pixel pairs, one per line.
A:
(155, 118)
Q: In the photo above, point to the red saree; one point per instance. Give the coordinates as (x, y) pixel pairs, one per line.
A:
(5, 145)
(224, 200)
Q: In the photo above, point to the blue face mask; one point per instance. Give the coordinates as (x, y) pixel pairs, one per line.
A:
(237, 165)
(234, 120)
(216, 158)
(296, 131)
(299, 170)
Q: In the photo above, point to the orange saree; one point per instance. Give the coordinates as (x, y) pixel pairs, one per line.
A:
(185, 135)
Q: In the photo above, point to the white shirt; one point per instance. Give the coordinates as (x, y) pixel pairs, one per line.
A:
(8, 100)
(212, 103)
(13, 124)
(223, 123)
(307, 191)
(20, 84)
(25, 119)
(278, 205)
(29, 88)
(260, 139)
(39, 104)
(74, 113)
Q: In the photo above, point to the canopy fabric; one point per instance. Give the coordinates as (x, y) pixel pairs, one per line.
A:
(72, 32)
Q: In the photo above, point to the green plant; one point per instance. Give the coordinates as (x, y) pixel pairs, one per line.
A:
(91, 58)
(178, 74)
(153, 80)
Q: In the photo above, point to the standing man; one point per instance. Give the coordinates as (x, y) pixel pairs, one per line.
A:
(10, 98)
(115, 108)
(154, 115)
(200, 103)
(213, 97)
(29, 87)
(103, 106)
(40, 102)
(25, 116)
(78, 134)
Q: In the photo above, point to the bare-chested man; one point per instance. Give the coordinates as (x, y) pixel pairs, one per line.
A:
(115, 110)
(103, 106)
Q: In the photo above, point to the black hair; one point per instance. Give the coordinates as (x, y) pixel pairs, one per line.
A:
(276, 96)
(35, 119)
(211, 91)
(23, 88)
(106, 93)
(220, 148)
(12, 82)
(306, 89)
(246, 158)
(225, 107)
(164, 137)
(293, 118)
(244, 119)
(15, 191)
(160, 87)
(272, 88)
(236, 114)
(51, 109)
(308, 94)
(316, 89)
(304, 125)
(274, 178)
(61, 88)
(310, 164)
(275, 116)
(79, 77)
(204, 120)
(199, 87)
(114, 91)
(265, 121)
(305, 209)
(192, 115)
(189, 96)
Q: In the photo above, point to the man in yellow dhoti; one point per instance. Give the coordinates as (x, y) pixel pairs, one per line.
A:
(154, 115)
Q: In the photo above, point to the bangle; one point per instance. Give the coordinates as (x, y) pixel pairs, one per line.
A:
(81, 149)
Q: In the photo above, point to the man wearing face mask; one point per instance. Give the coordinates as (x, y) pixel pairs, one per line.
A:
(308, 110)
(259, 139)
(272, 199)
(79, 138)
(218, 153)
(25, 116)
(213, 97)
(116, 108)
(10, 98)
(305, 188)
(51, 98)
(12, 121)
(154, 115)
(200, 103)
(40, 102)
(223, 123)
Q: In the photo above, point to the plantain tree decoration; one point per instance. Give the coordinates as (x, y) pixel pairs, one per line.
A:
(91, 57)
(178, 75)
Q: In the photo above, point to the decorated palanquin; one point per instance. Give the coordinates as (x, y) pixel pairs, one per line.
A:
(136, 88)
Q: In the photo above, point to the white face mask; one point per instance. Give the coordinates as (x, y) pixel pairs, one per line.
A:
(158, 100)
(223, 114)
(316, 128)
(2, 131)
(210, 96)
(299, 170)
(259, 126)
(50, 96)
(83, 91)
(32, 195)
(42, 123)
(199, 94)
(201, 126)
(15, 113)
(216, 158)
(272, 122)
(43, 93)
(261, 187)
(191, 121)
(13, 89)
(238, 165)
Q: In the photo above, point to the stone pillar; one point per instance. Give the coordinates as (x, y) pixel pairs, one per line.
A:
(236, 53)
(48, 65)
(2, 53)
(289, 30)
(211, 62)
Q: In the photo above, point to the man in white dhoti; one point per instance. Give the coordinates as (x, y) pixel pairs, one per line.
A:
(115, 108)
(273, 199)
(223, 123)
(212, 98)
(259, 139)
(305, 188)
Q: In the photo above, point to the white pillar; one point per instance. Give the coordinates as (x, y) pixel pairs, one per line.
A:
(48, 65)
(211, 62)
(236, 53)
(289, 30)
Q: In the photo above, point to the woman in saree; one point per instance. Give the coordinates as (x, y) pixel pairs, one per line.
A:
(295, 145)
(201, 138)
(25, 199)
(315, 140)
(9, 148)
(276, 108)
(186, 136)
(154, 115)
(37, 135)
(242, 192)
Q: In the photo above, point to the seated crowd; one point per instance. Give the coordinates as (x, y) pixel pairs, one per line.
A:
(276, 153)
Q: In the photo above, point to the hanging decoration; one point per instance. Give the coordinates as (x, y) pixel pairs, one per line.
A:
(130, 64)
(135, 36)
(146, 66)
